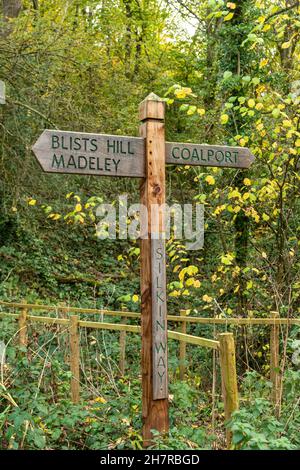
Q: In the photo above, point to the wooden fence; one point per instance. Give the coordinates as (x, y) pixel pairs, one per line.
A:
(224, 345)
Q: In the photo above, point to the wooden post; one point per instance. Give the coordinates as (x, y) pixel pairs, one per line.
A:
(229, 378)
(74, 358)
(274, 364)
(153, 274)
(122, 358)
(182, 348)
(23, 338)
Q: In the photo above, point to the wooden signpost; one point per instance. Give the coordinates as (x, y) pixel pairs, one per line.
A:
(208, 155)
(144, 157)
(153, 273)
(90, 154)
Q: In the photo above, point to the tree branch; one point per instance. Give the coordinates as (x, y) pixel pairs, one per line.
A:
(32, 110)
(283, 10)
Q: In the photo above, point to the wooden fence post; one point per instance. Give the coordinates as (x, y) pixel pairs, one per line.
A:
(182, 348)
(155, 406)
(274, 364)
(229, 378)
(122, 358)
(23, 337)
(74, 358)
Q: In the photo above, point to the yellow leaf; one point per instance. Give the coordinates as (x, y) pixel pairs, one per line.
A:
(182, 274)
(180, 94)
(190, 282)
(286, 45)
(297, 143)
(234, 193)
(210, 180)
(228, 17)
(174, 293)
(261, 19)
(100, 400)
(192, 270)
(263, 63)
(224, 118)
(266, 28)
(227, 259)
(54, 216)
(191, 110)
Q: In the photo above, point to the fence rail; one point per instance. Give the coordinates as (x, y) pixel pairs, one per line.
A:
(182, 318)
(225, 345)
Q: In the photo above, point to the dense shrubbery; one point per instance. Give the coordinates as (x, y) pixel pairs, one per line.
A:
(234, 79)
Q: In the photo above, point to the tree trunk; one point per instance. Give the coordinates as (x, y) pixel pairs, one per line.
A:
(10, 9)
(235, 58)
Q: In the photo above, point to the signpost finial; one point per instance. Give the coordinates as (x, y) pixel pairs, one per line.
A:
(152, 107)
(153, 97)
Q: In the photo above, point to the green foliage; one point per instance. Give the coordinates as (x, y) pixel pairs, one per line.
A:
(233, 79)
(255, 427)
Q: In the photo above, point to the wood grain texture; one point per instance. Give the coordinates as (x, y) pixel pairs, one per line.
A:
(153, 107)
(154, 412)
(229, 378)
(275, 365)
(74, 358)
(182, 348)
(122, 347)
(2, 92)
(159, 319)
(176, 335)
(176, 318)
(23, 338)
(90, 154)
(178, 153)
